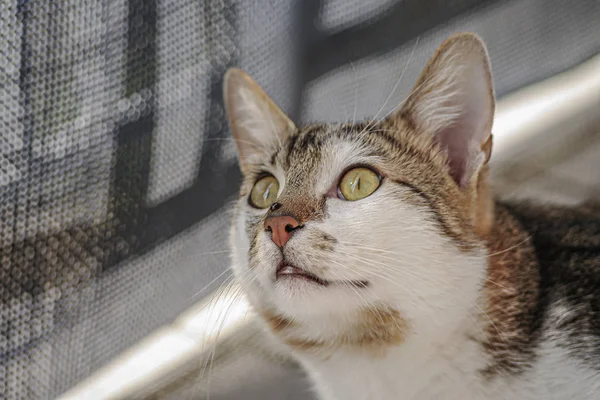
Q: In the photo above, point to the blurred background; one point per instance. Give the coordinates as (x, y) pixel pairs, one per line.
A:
(116, 166)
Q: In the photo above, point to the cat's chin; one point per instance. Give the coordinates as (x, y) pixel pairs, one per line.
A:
(301, 293)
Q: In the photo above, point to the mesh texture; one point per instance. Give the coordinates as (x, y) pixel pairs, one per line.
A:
(116, 166)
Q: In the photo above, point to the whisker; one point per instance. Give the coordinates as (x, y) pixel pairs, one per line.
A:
(208, 253)
(395, 87)
(236, 296)
(388, 277)
(511, 247)
(209, 284)
(224, 293)
(487, 279)
(355, 92)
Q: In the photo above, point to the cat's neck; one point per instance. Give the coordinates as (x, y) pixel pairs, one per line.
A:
(410, 369)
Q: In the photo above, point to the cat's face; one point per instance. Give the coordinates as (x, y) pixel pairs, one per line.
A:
(338, 225)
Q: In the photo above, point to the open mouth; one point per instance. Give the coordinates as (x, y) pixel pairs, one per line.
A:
(285, 270)
(289, 271)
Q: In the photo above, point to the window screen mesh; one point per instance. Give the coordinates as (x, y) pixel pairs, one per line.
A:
(116, 166)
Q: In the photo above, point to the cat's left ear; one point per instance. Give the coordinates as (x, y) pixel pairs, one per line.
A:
(453, 100)
(257, 123)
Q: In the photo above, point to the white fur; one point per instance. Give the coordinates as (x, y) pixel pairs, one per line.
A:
(411, 267)
(451, 373)
(439, 109)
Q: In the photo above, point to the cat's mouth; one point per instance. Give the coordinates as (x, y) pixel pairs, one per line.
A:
(288, 271)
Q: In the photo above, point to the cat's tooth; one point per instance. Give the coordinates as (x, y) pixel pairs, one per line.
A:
(288, 270)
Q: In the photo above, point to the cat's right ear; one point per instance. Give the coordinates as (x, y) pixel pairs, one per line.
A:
(257, 123)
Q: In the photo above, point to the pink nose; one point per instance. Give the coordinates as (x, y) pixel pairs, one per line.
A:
(281, 228)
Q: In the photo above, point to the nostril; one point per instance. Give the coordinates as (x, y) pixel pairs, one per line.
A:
(292, 227)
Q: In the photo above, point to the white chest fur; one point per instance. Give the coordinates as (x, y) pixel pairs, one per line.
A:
(407, 373)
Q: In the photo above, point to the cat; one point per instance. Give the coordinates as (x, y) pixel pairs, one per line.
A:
(377, 255)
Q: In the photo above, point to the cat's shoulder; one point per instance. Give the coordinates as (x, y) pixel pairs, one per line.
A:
(567, 247)
(566, 227)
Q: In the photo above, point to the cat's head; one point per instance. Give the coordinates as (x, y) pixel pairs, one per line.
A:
(373, 231)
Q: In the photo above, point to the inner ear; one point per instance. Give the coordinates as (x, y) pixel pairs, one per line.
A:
(453, 101)
(258, 125)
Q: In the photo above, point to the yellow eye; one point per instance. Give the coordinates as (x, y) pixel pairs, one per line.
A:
(264, 192)
(359, 183)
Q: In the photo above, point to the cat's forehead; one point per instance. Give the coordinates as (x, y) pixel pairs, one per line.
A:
(319, 145)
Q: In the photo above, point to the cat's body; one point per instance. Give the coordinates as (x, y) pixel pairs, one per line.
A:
(376, 253)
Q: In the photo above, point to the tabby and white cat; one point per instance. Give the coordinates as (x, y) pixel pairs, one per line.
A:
(376, 253)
